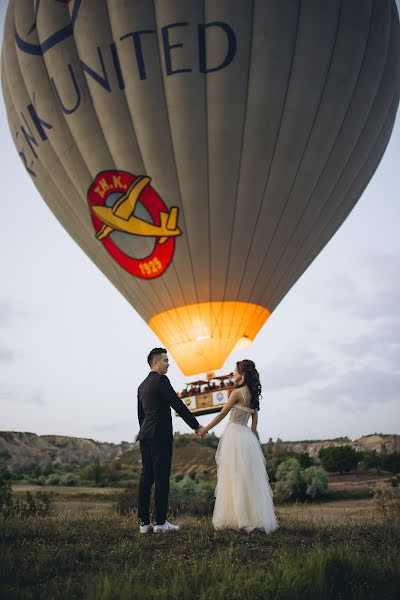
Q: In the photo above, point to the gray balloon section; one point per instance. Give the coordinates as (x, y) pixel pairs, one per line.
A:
(265, 156)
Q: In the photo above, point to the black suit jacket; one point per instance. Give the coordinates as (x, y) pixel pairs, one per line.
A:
(155, 397)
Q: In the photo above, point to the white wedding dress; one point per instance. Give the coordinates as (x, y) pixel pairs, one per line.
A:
(243, 495)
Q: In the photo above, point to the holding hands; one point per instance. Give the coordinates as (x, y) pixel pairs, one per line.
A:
(201, 432)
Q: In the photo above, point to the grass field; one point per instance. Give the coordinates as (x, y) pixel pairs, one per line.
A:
(348, 497)
(70, 501)
(102, 556)
(338, 548)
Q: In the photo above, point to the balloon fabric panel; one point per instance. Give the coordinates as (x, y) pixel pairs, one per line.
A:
(201, 153)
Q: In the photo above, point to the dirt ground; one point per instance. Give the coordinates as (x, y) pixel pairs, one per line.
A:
(75, 507)
(65, 490)
(355, 481)
(78, 500)
(329, 511)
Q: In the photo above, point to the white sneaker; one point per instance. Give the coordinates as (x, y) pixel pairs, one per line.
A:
(146, 528)
(166, 527)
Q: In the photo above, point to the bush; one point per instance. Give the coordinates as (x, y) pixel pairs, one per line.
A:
(40, 505)
(290, 483)
(6, 499)
(339, 458)
(6, 474)
(370, 460)
(35, 470)
(391, 462)
(69, 479)
(274, 460)
(385, 461)
(303, 457)
(387, 497)
(41, 480)
(53, 479)
(92, 472)
(293, 482)
(189, 494)
(101, 475)
(127, 502)
(192, 495)
(316, 480)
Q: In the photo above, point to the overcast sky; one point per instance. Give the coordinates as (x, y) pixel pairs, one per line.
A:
(329, 356)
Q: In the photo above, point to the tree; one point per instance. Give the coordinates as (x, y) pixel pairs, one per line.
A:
(94, 472)
(53, 479)
(391, 462)
(70, 479)
(290, 483)
(316, 480)
(339, 458)
(305, 460)
(294, 482)
(371, 460)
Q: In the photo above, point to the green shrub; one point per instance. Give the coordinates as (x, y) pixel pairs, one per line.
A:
(6, 474)
(303, 457)
(370, 460)
(386, 461)
(339, 458)
(316, 480)
(391, 462)
(293, 482)
(53, 479)
(387, 497)
(41, 480)
(102, 475)
(127, 502)
(274, 460)
(182, 492)
(70, 479)
(40, 505)
(6, 499)
(93, 472)
(189, 495)
(192, 495)
(203, 503)
(290, 483)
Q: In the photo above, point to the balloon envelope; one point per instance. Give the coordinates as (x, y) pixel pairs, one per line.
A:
(201, 153)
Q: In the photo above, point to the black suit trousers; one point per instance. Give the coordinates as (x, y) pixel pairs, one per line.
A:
(156, 468)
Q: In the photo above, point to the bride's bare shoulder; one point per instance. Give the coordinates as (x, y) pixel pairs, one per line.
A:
(237, 396)
(234, 395)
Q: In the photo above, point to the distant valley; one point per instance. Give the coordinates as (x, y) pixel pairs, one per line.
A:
(23, 449)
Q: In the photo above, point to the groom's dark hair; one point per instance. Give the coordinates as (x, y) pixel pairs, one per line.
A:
(153, 353)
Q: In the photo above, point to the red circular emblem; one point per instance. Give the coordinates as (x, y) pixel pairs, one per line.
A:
(127, 190)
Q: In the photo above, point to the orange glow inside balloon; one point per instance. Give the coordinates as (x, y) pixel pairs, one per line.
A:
(201, 336)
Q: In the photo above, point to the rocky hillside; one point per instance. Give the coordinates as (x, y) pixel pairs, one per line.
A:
(378, 441)
(22, 450)
(191, 456)
(25, 449)
(188, 457)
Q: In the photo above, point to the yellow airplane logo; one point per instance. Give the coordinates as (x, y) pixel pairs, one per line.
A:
(120, 216)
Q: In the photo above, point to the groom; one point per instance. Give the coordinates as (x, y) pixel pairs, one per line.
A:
(155, 397)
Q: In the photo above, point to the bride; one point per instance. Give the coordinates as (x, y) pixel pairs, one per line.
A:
(243, 494)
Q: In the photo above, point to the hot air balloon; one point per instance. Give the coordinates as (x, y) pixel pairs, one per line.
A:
(204, 397)
(202, 153)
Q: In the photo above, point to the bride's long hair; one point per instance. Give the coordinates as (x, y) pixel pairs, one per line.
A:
(251, 378)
